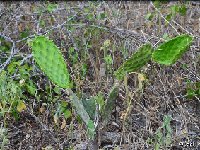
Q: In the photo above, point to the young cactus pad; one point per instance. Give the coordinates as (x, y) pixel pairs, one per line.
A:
(169, 52)
(50, 60)
(135, 62)
(106, 114)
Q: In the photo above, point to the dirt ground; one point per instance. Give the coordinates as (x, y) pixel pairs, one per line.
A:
(134, 120)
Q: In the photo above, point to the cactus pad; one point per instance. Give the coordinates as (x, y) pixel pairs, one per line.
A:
(106, 114)
(90, 106)
(50, 60)
(135, 62)
(169, 52)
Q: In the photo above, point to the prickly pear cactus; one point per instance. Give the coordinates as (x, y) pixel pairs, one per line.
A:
(169, 52)
(135, 62)
(50, 60)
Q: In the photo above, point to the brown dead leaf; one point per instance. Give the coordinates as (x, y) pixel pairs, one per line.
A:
(55, 119)
(63, 125)
(42, 109)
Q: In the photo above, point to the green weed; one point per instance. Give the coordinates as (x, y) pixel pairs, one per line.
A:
(163, 135)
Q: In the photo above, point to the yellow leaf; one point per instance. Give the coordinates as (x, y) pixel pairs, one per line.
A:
(21, 106)
(63, 124)
(141, 77)
(1, 106)
(55, 118)
(106, 43)
(42, 109)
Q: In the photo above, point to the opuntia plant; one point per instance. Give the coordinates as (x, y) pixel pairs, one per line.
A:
(51, 62)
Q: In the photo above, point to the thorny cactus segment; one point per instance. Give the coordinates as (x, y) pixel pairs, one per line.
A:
(135, 62)
(90, 106)
(82, 112)
(50, 60)
(169, 52)
(79, 107)
(110, 104)
(91, 129)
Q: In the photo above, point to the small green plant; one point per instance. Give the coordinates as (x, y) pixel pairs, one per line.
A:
(4, 45)
(3, 137)
(163, 135)
(25, 33)
(51, 7)
(193, 90)
(62, 110)
(14, 81)
(107, 57)
(10, 96)
(73, 55)
(166, 37)
(84, 69)
(175, 9)
(23, 73)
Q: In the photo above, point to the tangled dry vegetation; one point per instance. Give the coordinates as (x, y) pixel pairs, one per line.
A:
(161, 109)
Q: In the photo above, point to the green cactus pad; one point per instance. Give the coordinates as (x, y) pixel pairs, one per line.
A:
(50, 60)
(169, 52)
(106, 114)
(90, 106)
(135, 62)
